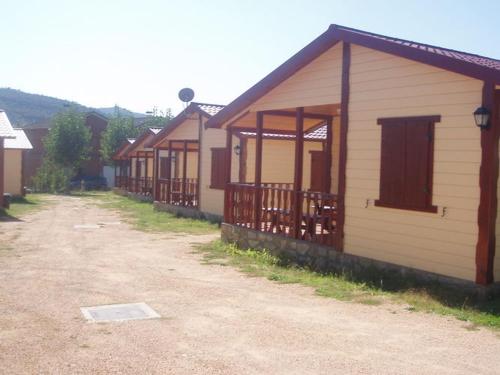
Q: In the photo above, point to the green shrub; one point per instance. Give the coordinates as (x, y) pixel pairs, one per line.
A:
(52, 178)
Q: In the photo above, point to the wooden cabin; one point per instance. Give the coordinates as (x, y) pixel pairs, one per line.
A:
(181, 159)
(6, 132)
(140, 156)
(410, 163)
(15, 149)
(123, 165)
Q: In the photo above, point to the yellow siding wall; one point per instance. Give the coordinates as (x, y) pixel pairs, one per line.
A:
(187, 130)
(384, 86)
(317, 83)
(12, 172)
(192, 164)
(211, 200)
(150, 167)
(278, 161)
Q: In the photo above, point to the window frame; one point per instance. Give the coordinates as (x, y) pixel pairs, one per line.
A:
(397, 121)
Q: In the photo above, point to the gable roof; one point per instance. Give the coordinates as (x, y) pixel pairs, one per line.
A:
(468, 64)
(204, 109)
(6, 130)
(138, 141)
(120, 152)
(20, 142)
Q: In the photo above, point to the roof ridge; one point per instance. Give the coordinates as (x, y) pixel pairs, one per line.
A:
(334, 27)
(208, 104)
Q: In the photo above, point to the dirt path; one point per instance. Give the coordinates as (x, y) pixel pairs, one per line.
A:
(214, 319)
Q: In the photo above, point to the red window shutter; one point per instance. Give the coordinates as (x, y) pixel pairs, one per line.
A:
(219, 165)
(407, 163)
(392, 166)
(417, 184)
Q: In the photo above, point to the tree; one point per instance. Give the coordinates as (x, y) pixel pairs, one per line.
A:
(68, 141)
(118, 130)
(121, 127)
(67, 146)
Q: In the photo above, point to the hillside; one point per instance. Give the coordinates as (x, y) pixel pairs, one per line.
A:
(27, 110)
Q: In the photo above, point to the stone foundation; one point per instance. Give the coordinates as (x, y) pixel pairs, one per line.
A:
(326, 259)
(190, 212)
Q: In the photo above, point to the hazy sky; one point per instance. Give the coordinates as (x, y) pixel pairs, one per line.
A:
(138, 54)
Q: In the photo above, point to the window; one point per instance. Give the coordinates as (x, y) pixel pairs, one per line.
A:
(406, 163)
(219, 166)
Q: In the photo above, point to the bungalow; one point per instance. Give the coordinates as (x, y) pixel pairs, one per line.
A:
(123, 164)
(410, 164)
(15, 149)
(140, 157)
(180, 159)
(6, 132)
(190, 161)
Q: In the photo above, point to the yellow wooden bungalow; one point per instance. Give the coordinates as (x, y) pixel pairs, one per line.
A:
(122, 164)
(408, 166)
(190, 161)
(6, 132)
(140, 156)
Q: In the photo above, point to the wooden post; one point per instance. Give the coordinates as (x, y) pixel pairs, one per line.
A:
(146, 169)
(169, 172)
(137, 174)
(156, 162)
(184, 170)
(129, 185)
(344, 125)
(488, 180)
(328, 156)
(258, 170)
(229, 147)
(299, 165)
(198, 174)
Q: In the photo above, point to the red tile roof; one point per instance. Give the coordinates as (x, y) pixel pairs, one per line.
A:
(316, 134)
(453, 54)
(475, 66)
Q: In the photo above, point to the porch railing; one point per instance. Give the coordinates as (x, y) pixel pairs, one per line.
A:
(140, 185)
(277, 211)
(178, 191)
(121, 182)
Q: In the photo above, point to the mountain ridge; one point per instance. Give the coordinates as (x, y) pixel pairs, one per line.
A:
(27, 110)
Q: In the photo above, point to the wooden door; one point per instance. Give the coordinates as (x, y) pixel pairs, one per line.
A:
(318, 177)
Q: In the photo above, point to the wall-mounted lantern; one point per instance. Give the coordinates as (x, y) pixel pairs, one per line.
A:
(482, 117)
(237, 149)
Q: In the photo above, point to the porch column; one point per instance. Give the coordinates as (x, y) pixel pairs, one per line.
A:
(227, 202)
(129, 173)
(146, 168)
(258, 170)
(328, 155)
(169, 172)
(184, 170)
(156, 162)
(299, 163)
(116, 175)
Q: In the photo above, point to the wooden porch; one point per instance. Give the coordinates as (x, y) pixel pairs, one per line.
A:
(288, 209)
(173, 184)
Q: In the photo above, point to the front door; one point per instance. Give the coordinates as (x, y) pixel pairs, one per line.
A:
(318, 181)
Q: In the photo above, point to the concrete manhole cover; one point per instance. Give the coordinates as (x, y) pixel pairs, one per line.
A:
(119, 313)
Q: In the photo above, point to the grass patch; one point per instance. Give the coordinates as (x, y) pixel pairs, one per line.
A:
(21, 206)
(143, 217)
(370, 287)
